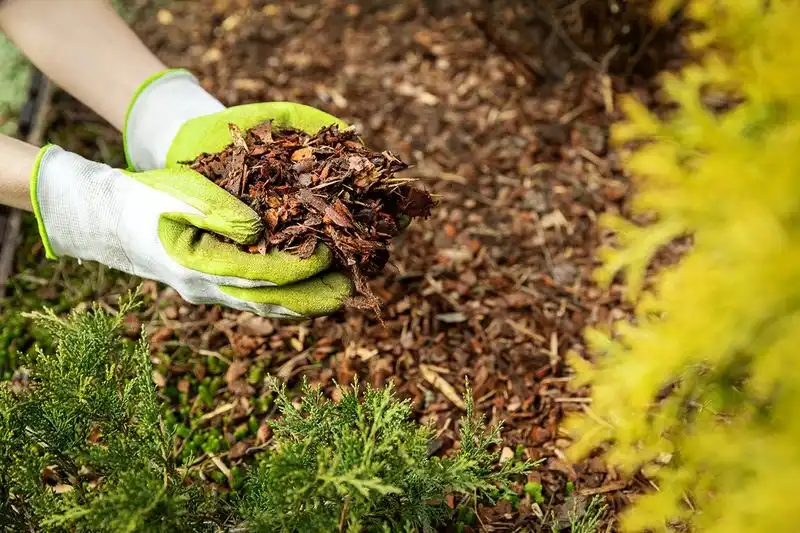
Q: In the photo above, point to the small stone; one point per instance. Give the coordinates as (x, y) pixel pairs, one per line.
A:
(165, 17)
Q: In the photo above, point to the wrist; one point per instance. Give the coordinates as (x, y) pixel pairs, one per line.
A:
(161, 105)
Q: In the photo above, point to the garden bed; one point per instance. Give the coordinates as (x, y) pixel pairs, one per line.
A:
(496, 286)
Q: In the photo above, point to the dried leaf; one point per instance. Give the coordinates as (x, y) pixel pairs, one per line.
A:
(305, 179)
(506, 455)
(288, 233)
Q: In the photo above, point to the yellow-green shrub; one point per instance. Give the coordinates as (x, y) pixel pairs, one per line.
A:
(703, 387)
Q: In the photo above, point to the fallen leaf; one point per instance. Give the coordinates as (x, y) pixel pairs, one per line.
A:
(200, 371)
(308, 247)
(554, 219)
(131, 324)
(263, 132)
(245, 345)
(271, 217)
(62, 488)
(312, 200)
(249, 85)
(212, 55)
(231, 22)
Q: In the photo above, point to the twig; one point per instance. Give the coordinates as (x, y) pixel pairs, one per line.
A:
(525, 331)
(577, 399)
(583, 57)
(528, 71)
(222, 466)
(609, 487)
(645, 45)
(218, 411)
(344, 512)
(436, 286)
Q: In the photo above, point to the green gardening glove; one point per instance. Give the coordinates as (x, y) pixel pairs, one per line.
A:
(166, 225)
(172, 119)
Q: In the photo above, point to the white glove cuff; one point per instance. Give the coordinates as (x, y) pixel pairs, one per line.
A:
(74, 201)
(161, 106)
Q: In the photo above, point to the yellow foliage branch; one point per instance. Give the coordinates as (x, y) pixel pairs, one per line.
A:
(707, 375)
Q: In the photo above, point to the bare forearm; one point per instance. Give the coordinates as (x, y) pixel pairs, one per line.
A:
(85, 48)
(17, 159)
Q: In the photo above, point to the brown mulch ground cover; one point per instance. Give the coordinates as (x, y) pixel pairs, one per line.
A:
(503, 114)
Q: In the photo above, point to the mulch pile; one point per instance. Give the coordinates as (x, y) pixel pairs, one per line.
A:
(510, 136)
(323, 188)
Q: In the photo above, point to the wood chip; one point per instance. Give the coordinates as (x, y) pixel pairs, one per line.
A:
(236, 369)
(442, 385)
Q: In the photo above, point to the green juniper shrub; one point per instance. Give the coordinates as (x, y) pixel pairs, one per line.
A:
(84, 447)
(362, 464)
(82, 444)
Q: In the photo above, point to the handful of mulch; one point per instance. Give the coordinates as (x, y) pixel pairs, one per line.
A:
(324, 188)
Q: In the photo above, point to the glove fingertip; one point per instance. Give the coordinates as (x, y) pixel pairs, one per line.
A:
(315, 297)
(242, 228)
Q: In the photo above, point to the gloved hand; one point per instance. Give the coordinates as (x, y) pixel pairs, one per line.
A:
(161, 220)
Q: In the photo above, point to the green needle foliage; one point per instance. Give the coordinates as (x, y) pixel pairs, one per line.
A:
(88, 424)
(362, 465)
(83, 448)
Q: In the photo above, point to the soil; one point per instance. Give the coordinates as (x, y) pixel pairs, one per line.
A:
(509, 130)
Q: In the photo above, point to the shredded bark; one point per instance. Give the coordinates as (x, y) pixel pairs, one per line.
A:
(327, 189)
